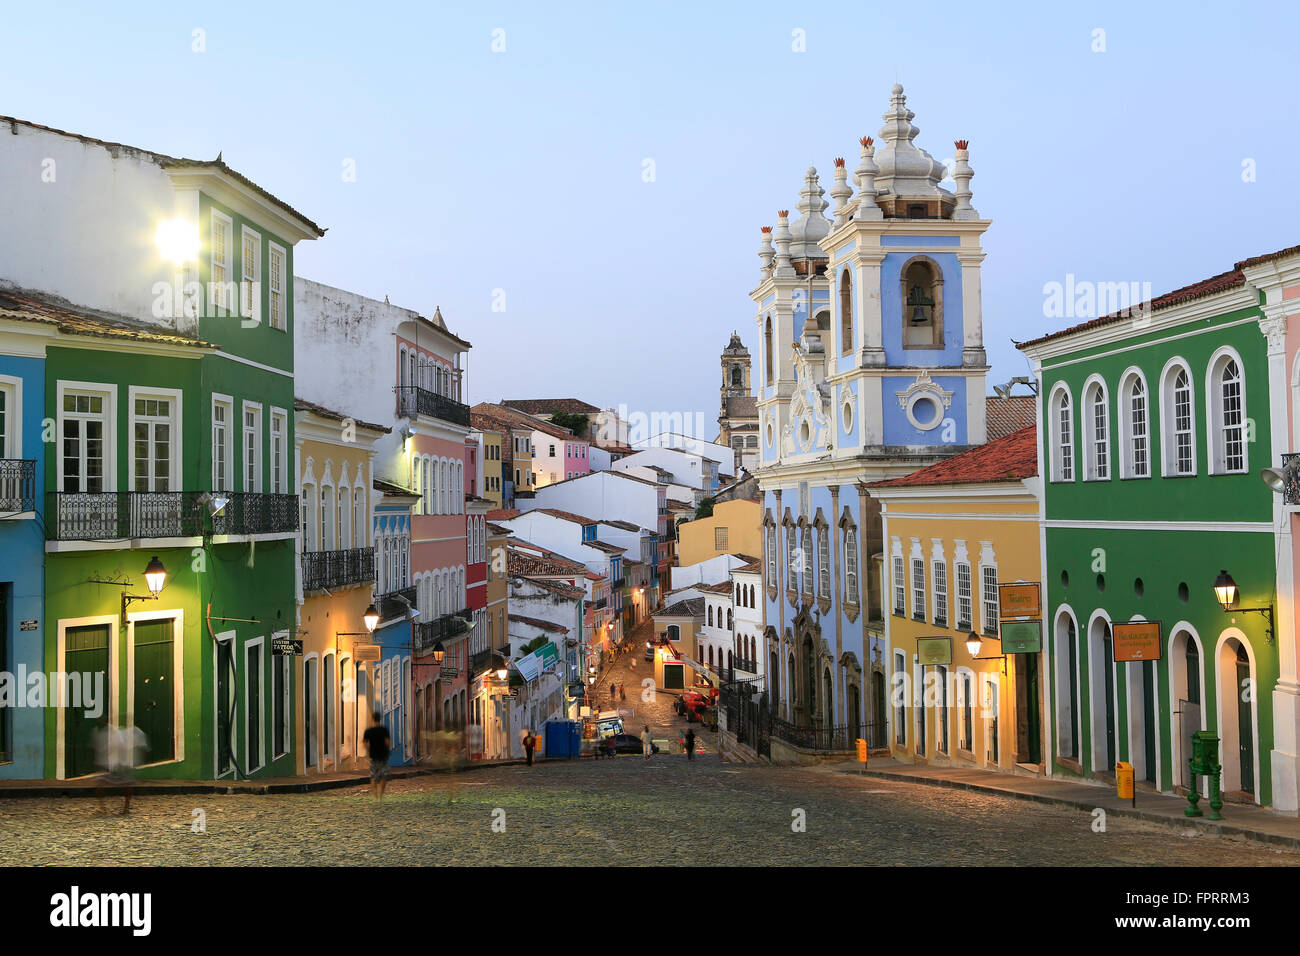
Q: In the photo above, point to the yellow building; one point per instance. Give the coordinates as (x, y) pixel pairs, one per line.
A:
(734, 528)
(954, 532)
(493, 490)
(677, 633)
(336, 582)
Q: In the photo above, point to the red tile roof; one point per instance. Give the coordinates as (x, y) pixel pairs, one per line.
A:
(539, 623)
(557, 587)
(1010, 414)
(549, 406)
(566, 515)
(1197, 290)
(518, 420)
(25, 305)
(1010, 458)
(519, 562)
(302, 405)
(502, 514)
(1269, 257)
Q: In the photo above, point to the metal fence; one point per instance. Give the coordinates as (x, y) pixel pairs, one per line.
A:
(1291, 490)
(112, 515)
(336, 569)
(754, 724)
(429, 633)
(413, 400)
(17, 485)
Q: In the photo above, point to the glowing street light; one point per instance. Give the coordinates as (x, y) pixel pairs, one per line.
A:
(155, 576)
(371, 617)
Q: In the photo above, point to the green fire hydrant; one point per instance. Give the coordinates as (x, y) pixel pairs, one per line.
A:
(1205, 762)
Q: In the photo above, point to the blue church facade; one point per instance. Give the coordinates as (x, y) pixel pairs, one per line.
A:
(871, 365)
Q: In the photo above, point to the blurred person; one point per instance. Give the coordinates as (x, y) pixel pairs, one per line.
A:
(117, 751)
(377, 746)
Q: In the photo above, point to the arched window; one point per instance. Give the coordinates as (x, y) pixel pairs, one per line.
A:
(402, 380)
(1135, 427)
(1227, 428)
(851, 566)
(345, 520)
(432, 486)
(359, 523)
(771, 555)
(922, 298)
(1178, 437)
(1097, 445)
(1061, 429)
(730, 621)
(768, 357)
(327, 518)
(807, 562)
(427, 504)
(823, 564)
(737, 377)
(846, 313)
(710, 613)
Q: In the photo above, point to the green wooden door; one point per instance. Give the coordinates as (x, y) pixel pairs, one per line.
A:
(86, 654)
(155, 690)
(1245, 733)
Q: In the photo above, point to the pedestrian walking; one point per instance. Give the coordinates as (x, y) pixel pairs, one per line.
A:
(117, 751)
(530, 743)
(690, 743)
(646, 745)
(377, 744)
(622, 691)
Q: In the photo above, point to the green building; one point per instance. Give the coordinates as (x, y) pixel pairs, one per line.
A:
(170, 437)
(1155, 422)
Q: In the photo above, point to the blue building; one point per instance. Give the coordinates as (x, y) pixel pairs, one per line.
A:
(22, 553)
(871, 365)
(393, 675)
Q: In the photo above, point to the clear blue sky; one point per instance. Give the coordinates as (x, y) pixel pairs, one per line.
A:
(522, 170)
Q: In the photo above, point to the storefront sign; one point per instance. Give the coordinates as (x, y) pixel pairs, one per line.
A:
(1019, 602)
(1022, 637)
(933, 650)
(539, 660)
(366, 652)
(286, 647)
(27, 625)
(1136, 640)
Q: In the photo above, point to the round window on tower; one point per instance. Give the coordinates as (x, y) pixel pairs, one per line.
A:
(846, 416)
(924, 411)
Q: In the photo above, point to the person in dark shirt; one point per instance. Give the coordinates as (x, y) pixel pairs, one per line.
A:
(690, 743)
(376, 738)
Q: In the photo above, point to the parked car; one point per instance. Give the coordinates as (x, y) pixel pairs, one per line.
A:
(630, 744)
(649, 651)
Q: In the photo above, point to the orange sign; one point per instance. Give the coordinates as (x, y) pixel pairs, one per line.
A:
(1136, 641)
(862, 750)
(1019, 601)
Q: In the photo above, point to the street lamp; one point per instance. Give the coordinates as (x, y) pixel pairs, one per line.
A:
(371, 618)
(1226, 593)
(439, 652)
(973, 644)
(155, 575)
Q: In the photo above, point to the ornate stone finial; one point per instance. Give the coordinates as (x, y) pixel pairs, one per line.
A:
(865, 175)
(905, 171)
(784, 269)
(962, 174)
(841, 192)
(812, 226)
(765, 254)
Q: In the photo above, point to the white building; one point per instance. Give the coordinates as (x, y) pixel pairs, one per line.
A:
(682, 467)
(611, 495)
(747, 632)
(722, 454)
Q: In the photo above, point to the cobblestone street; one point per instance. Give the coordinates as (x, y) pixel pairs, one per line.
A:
(618, 812)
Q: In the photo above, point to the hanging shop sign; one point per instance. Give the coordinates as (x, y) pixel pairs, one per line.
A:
(1020, 602)
(1022, 637)
(1136, 640)
(933, 650)
(366, 652)
(286, 647)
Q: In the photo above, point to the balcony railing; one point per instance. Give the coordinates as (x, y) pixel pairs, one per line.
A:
(743, 664)
(116, 515)
(322, 570)
(814, 738)
(256, 512)
(1291, 489)
(617, 585)
(445, 628)
(17, 485)
(413, 400)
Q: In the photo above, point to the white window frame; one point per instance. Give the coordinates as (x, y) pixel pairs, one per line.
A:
(1215, 429)
(823, 562)
(1169, 419)
(988, 605)
(11, 439)
(1095, 467)
(1062, 445)
(253, 476)
(1128, 434)
(938, 583)
(898, 579)
(281, 747)
(217, 287)
(851, 574)
(965, 596)
(249, 766)
(227, 480)
(177, 617)
(250, 281)
(174, 396)
(108, 393)
(916, 562)
(280, 276)
(280, 472)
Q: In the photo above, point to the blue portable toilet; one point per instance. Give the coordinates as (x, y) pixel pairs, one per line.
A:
(563, 738)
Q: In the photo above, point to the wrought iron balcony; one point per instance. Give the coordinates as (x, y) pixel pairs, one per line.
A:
(1291, 489)
(119, 515)
(322, 570)
(445, 628)
(395, 604)
(17, 485)
(741, 664)
(617, 585)
(256, 512)
(413, 400)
